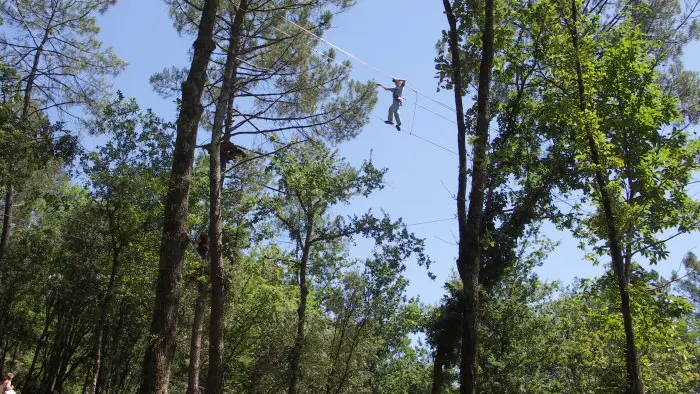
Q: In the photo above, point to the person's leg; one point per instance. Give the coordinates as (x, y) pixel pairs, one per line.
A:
(397, 104)
(390, 117)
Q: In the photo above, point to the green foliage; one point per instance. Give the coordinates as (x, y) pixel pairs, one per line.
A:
(592, 354)
(364, 308)
(77, 235)
(302, 90)
(542, 338)
(26, 146)
(68, 64)
(689, 283)
(72, 231)
(648, 162)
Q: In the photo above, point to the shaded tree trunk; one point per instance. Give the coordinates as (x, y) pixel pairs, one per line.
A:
(438, 372)
(295, 365)
(346, 370)
(3, 358)
(7, 301)
(102, 319)
(335, 357)
(29, 383)
(54, 357)
(6, 221)
(161, 347)
(196, 341)
(621, 270)
(105, 372)
(215, 375)
(468, 262)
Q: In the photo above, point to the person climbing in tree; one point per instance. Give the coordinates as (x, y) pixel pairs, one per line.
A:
(202, 245)
(396, 93)
(228, 151)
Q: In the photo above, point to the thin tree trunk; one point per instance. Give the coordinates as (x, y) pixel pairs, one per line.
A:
(468, 262)
(7, 217)
(105, 366)
(71, 342)
(634, 375)
(6, 221)
(196, 341)
(215, 376)
(102, 319)
(3, 358)
(35, 66)
(9, 193)
(336, 355)
(54, 359)
(295, 367)
(348, 359)
(161, 347)
(29, 383)
(7, 302)
(119, 358)
(438, 372)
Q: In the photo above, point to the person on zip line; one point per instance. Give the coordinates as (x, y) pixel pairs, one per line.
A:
(396, 93)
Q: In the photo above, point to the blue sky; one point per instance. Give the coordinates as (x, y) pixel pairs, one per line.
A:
(397, 37)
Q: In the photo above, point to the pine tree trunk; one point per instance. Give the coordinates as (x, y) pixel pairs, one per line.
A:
(35, 66)
(196, 341)
(295, 367)
(216, 317)
(9, 193)
(468, 262)
(215, 377)
(161, 348)
(621, 270)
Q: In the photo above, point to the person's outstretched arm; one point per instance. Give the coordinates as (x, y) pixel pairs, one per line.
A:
(385, 88)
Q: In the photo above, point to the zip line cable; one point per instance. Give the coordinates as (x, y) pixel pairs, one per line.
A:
(373, 68)
(339, 48)
(333, 59)
(372, 113)
(432, 221)
(432, 143)
(421, 138)
(433, 112)
(365, 63)
(413, 121)
(350, 69)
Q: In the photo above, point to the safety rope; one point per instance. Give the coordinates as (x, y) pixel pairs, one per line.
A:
(350, 55)
(416, 104)
(413, 121)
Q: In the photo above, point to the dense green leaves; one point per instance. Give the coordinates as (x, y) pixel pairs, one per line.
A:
(54, 47)
(78, 277)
